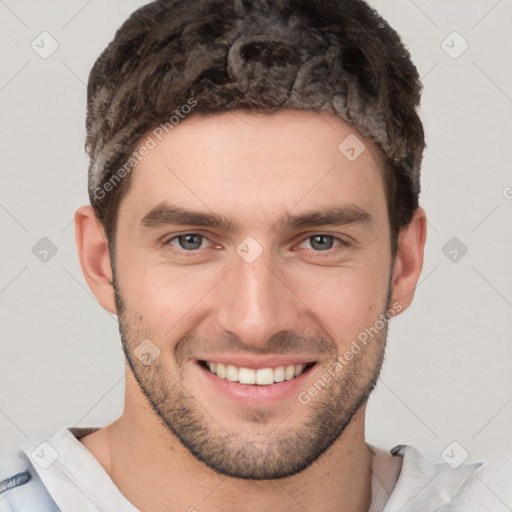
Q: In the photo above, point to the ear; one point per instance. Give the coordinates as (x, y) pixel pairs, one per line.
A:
(94, 256)
(409, 259)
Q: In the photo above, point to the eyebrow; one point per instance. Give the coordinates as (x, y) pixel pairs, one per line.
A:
(164, 214)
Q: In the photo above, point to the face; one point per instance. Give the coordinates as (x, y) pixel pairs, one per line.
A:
(251, 256)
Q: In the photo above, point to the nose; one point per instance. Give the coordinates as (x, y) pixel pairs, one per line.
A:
(257, 300)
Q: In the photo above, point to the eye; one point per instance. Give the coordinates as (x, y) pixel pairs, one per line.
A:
(193, 242)
(324, 242)
(186, 242)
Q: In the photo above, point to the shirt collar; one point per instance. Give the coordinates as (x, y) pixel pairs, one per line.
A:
(425, 486)
(73, 476)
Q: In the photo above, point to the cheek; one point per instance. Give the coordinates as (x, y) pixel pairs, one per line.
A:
(346, 300)
(167, 296)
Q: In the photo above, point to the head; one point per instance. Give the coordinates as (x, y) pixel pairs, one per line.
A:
(254, 184)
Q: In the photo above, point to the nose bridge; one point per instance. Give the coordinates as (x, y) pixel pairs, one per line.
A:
(256, 302)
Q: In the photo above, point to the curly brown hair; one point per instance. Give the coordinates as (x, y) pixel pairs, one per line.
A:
(262, 56)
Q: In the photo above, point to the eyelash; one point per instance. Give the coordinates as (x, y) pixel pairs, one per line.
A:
(193, 252)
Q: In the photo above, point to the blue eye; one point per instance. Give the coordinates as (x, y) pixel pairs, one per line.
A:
(188, 241)
(321, 242)
(192, 242)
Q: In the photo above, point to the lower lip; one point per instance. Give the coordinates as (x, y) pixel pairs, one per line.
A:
(258, 395)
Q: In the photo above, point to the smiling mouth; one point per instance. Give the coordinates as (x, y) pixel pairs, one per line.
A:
(259, 377)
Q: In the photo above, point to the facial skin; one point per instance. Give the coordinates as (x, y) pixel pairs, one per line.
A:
(304, 299)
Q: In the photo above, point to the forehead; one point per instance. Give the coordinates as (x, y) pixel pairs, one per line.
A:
(256, 164)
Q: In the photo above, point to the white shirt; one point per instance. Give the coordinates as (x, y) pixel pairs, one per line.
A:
(402, 480)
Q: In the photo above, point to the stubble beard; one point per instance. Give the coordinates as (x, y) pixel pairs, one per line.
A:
(257, 457)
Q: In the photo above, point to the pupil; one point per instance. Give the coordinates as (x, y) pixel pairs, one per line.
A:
(322, 246)
(189, 241)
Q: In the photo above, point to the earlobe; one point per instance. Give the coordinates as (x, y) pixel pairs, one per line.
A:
(94, 256)
(409, 259)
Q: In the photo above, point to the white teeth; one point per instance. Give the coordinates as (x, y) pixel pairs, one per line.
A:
(299, 368)
(279, 374)
(221, 371)
(262, 376)
(265, 376)
(289, 372)
(232, 373)
(246, 376)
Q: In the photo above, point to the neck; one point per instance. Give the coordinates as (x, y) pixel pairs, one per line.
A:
(156, 473)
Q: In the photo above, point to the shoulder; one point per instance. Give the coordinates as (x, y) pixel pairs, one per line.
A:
(20, 486)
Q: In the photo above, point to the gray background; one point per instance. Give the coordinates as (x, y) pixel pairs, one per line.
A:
(447, 373)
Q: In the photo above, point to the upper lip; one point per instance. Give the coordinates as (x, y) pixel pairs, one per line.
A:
(256, 363)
